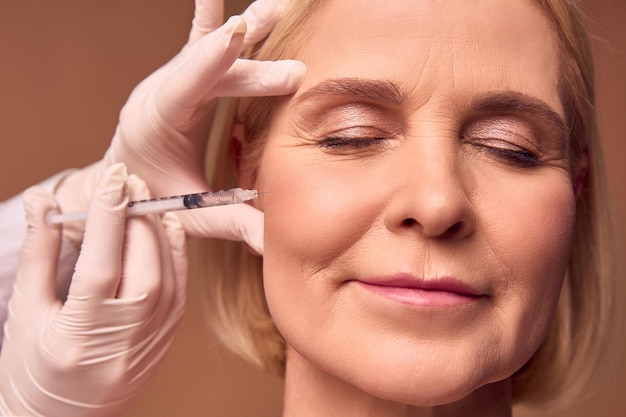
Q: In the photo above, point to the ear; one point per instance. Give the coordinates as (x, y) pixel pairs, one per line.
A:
(244, 175)
(581, 176)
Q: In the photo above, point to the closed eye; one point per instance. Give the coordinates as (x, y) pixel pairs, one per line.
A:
(522, 158)
(508, 153)
(338, 142)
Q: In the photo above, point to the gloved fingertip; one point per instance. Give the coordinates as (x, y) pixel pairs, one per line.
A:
(38, 204)
(251, 228)
(236, 24)
(298, 71)
(255, 249)
(137, 188)
(175, 230)
(171, 220)
(111, 193)
(255, 244)
(35, 276)
(286, 76)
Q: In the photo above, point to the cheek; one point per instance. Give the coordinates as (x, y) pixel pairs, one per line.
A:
(532, 235)
(314, 212)
(530, 241)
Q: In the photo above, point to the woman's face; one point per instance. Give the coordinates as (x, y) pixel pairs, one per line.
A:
(417, 196)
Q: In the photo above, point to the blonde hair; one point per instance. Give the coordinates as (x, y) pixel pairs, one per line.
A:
(566, 360)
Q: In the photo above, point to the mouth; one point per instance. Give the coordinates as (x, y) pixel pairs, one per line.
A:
(436, 292)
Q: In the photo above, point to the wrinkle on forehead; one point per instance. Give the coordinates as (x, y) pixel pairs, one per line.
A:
(422, 45)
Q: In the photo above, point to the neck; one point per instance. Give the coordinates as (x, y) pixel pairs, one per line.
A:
(311, 392)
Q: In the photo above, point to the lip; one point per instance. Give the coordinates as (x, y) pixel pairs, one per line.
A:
(435, 292)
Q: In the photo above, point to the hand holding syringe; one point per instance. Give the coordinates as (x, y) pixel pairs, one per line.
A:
(177, 202)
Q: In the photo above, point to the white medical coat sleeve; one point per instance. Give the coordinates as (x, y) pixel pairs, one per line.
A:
(12, 234)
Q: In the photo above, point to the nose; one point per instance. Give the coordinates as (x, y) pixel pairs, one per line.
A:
(432, 195)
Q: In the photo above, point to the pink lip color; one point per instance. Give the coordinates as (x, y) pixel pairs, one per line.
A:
(440, 292)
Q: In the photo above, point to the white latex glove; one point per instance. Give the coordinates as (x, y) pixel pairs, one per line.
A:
(91, 355)
(164, 126)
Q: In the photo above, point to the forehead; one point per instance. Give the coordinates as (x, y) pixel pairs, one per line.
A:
(436, 49)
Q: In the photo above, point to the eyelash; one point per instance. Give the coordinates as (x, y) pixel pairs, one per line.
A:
(520, 157)
(351, 143)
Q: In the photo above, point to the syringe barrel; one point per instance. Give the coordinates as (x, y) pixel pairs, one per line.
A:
(178, 202)
(161, 205)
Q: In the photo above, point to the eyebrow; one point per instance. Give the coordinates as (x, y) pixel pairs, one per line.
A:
(380, 91)
(387, 92)
(516, 102)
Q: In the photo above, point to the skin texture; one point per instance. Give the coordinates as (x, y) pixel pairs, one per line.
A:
(425, 149)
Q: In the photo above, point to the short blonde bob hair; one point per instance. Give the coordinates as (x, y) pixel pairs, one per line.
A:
(237, 310)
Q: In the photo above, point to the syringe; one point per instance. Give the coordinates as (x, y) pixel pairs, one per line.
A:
(177, 202)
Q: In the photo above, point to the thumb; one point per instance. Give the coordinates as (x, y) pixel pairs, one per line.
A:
(36, 272)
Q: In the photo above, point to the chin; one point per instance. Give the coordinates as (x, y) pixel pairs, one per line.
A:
(423, 393)
(419, 388)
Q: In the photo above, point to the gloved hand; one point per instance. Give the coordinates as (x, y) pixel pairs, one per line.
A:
(164, 126)
(91, 355)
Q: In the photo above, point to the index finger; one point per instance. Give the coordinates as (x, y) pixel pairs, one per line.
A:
(208, 15)
(36, 273)
(98, 268)
(261, 16)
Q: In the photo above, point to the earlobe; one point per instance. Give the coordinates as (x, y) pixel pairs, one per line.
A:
(580, 180)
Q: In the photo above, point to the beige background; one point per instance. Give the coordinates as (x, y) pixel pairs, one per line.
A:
(66, 68)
